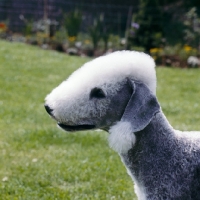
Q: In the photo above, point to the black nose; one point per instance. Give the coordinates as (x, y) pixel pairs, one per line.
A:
(48, 109)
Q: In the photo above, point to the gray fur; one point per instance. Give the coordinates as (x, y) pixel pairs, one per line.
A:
(164, 163)
(141, 107)
(166, 166)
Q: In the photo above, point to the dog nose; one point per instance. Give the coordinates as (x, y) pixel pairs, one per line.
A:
(48, 109)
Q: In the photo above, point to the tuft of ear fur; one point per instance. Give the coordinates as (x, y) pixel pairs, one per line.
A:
(141, 108)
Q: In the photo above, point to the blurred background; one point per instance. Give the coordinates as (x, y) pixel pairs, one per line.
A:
(41, 43)
(169, 30)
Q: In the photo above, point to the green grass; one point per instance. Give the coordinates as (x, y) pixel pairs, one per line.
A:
(178, 91)
(39, 161)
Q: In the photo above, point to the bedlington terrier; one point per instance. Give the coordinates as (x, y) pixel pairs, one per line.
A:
(117, 93)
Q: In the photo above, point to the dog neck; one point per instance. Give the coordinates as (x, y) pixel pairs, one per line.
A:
(145, 160)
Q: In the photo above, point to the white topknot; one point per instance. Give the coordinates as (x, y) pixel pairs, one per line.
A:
(117, 66)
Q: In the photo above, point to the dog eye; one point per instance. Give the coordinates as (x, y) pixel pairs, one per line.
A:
(97, 93)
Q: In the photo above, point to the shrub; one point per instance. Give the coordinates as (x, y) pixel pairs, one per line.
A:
(146, 28)
(192, 28)
(72, 22)
(173, 55)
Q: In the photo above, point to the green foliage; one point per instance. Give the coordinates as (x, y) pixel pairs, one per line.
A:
(72, 22)
(61, 35)
(95, 30)
(115, 42)
(175, 56)
(192, 30)
(98, 30)
(146, 28)
(28, 25)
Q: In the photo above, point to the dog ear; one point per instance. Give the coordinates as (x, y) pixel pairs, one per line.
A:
(141, 108)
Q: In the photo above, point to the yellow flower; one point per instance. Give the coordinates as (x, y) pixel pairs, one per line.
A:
(72, 38)
(187, 48)
(42, 35)
(155, 50)
(87, 41)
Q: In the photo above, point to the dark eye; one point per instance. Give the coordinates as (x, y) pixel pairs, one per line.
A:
(97, 93)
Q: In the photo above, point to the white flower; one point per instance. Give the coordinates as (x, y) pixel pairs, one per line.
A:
(5, 179)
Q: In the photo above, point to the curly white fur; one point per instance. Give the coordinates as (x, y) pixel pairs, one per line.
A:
(121, 138)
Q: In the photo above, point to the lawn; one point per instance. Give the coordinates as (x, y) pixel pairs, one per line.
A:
(39, 161)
